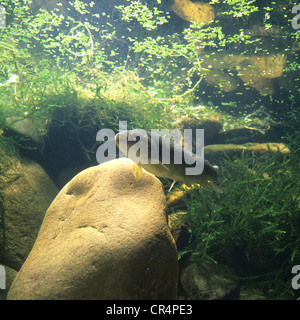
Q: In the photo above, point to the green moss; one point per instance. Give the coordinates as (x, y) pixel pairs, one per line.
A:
(254, 225)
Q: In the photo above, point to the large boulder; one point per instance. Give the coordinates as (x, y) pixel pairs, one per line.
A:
(26, 193)
(105, 236)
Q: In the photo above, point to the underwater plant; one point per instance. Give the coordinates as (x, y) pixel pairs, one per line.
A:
(74, 71)
(53, 56)
(147, 59)
(254, 226)
(247, 53)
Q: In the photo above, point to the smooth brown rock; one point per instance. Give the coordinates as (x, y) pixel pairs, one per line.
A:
(193, 11)
(27, 193)
(105, 236)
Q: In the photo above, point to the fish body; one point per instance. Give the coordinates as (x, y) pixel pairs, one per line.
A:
(154, 162)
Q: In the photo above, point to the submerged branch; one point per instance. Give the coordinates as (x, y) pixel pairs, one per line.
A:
(169, 99)
(91, 50)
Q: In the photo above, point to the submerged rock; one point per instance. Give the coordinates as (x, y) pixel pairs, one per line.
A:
(241, 136)
(193, 11)
(256, 71)
(207, 281)
(222, 80)
(212, 126)
(25, 128)
(7, 276)
(27, 193)
(215, 153)
(248, 292)
(259, 70)
(105, 236)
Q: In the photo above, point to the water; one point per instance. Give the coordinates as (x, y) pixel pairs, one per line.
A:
(70, 69)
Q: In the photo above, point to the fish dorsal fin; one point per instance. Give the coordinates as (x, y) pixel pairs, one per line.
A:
(137, 170)
(172, 185)
(163, 166)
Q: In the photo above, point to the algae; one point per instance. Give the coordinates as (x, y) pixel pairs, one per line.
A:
(255, 225)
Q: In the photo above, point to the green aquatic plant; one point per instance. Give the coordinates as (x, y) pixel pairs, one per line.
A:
(238, 8)
(177, 64)
(47, 51)
(147, 18)
(292, 129)
(165, 55)
(56, 59)
(255, 225)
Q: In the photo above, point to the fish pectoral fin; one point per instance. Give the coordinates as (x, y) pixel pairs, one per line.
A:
(186, 187)
(172, 185)
(137, 170)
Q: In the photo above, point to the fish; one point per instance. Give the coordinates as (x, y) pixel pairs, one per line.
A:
(125, 141)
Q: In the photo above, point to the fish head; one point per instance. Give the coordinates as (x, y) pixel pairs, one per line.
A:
(213, 186)
(210, 178)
